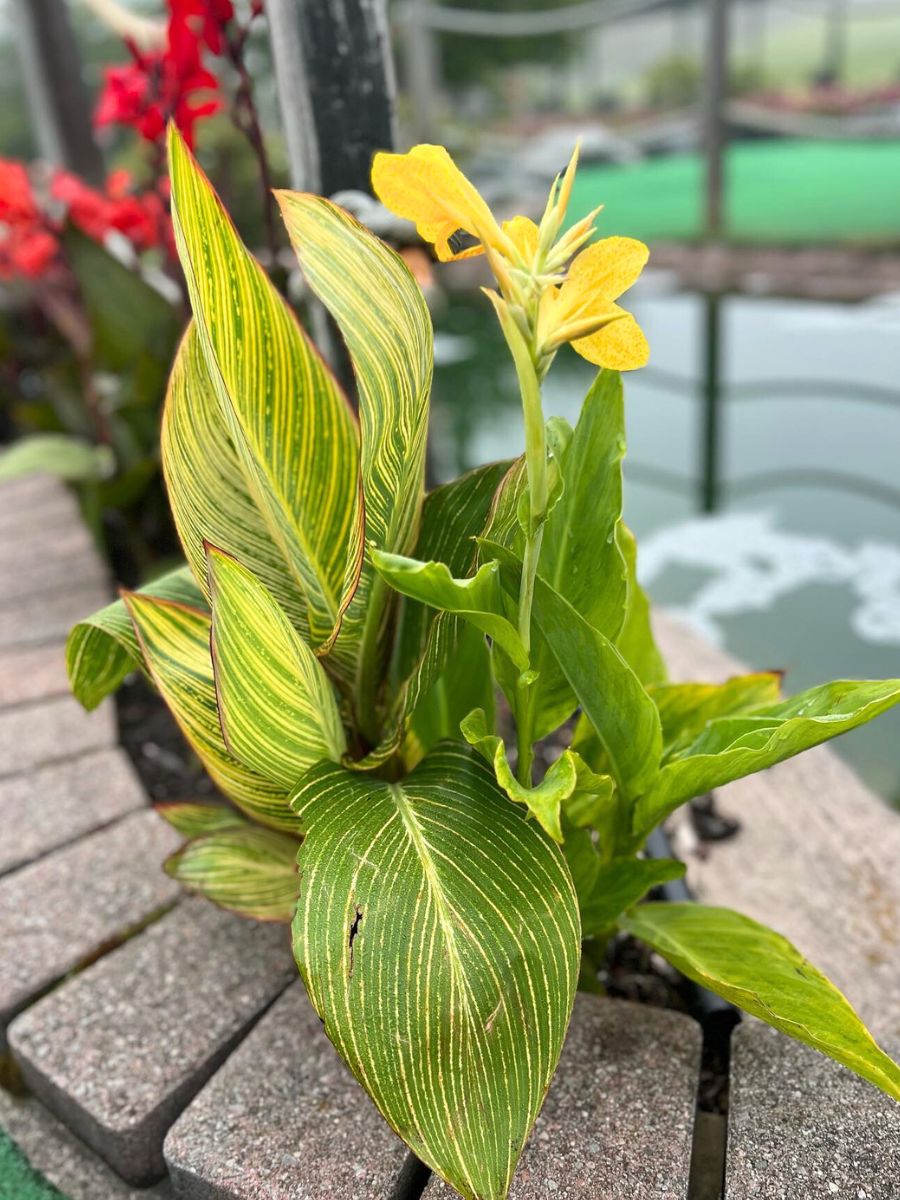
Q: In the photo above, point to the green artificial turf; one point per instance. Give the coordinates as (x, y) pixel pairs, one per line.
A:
(18, 1179)
(777, 191)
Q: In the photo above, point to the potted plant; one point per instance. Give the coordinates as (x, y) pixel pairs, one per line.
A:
(334, 648)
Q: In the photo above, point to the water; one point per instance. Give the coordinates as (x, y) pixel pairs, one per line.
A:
(762, 474)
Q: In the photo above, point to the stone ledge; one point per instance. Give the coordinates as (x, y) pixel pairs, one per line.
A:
(619, 1117)
(69, 906)
(53, 806)
(26, 623)
(33, 673)
(284, 1119)
(52, 730)
(810, 834)
(62, 1159)
(801, 1125)
(119, 1051)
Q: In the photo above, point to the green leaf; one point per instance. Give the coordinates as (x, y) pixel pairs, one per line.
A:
(292, 430)
(191, 820)
(427, 641)
(67, 458)
(636, 642)
(250, 871)
(102, 649)
(277, 708)
(478, 599)
(453, 515)
(464, 684)
(175, 641)
(391, 345)
(686, 708)
(544, 800)
(134, 327)
(731, 747)
(762, 973)
(437, 934)
(622, 714)
(607, 889)
(580, 555)
(210, 492)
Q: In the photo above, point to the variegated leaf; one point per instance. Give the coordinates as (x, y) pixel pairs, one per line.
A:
(437, 933)
(292, 431)
(174, 640)
(277, 706)
(191, 820)
(250, 871)
(102, 649)
(384, 320)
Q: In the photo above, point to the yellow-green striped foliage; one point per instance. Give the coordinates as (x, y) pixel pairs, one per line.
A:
(437, 933)
(332, 638)
(174, 640)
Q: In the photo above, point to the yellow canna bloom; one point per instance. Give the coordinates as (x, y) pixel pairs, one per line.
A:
(427, 187)
(582, 310)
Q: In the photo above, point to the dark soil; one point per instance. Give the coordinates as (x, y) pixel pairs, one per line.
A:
(167, 766)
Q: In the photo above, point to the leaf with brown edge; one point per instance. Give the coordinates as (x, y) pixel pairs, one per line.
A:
(437, 933)
(295, 440)
(174, 640)
(250, 871)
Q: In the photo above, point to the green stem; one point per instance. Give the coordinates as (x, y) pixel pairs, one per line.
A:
(536, 469)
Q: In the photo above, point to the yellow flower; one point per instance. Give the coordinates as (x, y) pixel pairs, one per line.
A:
(582, 310)
(426, 186)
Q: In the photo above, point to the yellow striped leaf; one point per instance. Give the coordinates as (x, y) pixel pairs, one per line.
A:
(174, 640)
(276, 704)
(210, 495)
(292, 430)
(250, 871)
(437, 933)
(191, 820)
(102, 649)
(765, 975)
(384, 320)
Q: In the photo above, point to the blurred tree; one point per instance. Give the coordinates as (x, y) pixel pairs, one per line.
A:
(467, 59)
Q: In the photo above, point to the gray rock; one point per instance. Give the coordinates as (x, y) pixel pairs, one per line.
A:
(67, 560)
(50, 731)
(55, 805)
(21, 495)
(32, 673)
(31, 622)
(69, 906)
(118, 1051)
(61, 1158)
(802, 1126)
(284, 1120)
(618, 1120)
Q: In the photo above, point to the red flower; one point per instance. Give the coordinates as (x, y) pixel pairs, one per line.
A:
(204, 20)
(164, 85)
(28, 244)
(140, 217)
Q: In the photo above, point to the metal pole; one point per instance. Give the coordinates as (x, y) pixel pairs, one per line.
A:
(336, 87)
(422, 62)
(836, 31)
(711, 430)
(336, 90)
(57, 98)
(715, 132)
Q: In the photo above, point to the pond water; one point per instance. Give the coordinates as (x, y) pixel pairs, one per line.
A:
(762, 474)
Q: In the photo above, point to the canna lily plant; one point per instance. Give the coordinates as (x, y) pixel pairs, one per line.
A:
(336, 644)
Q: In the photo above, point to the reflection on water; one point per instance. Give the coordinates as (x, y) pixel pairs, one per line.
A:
(778, 420)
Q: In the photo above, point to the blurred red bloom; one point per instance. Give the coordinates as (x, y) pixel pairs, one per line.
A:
(28, 244)
(140, 217)
(162, 85)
